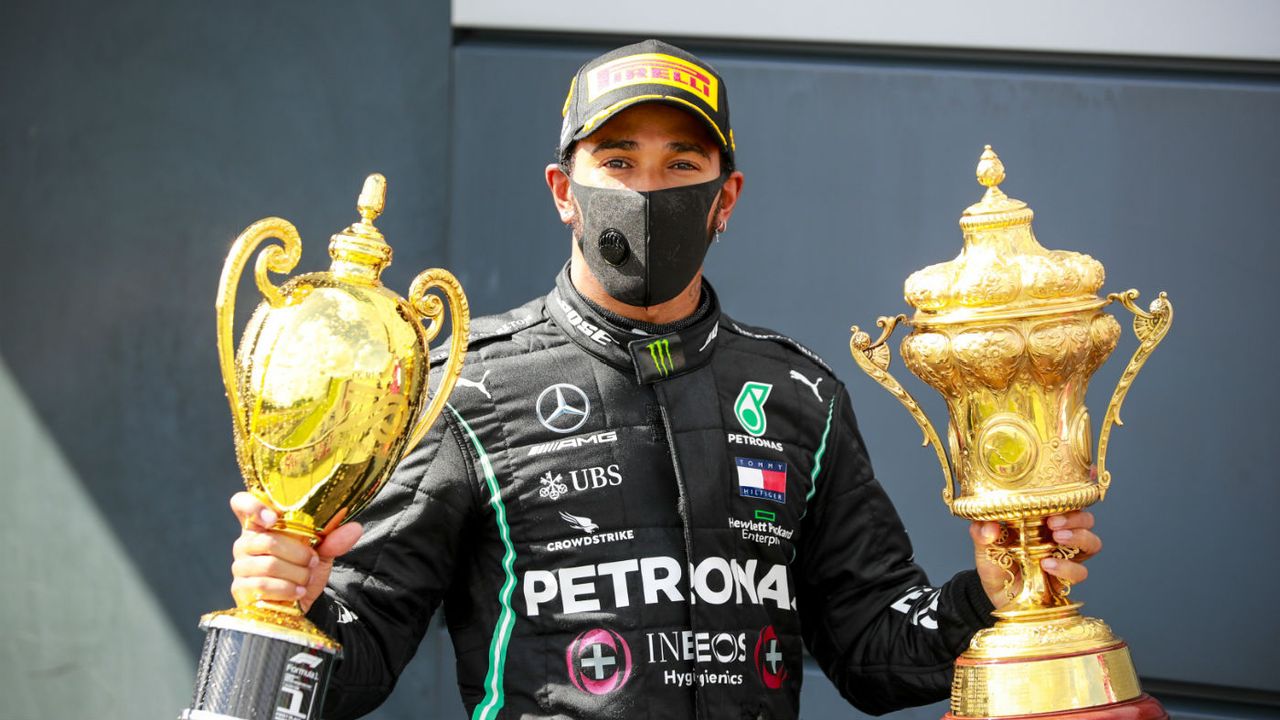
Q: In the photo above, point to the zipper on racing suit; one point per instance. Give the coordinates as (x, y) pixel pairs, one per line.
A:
(685, 513)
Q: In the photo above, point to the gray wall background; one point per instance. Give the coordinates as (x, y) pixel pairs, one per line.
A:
(136, 140)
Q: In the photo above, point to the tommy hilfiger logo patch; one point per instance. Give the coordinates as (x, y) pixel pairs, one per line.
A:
(763, 479)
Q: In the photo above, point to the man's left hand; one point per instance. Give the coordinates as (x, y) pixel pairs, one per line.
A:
(1074, 529)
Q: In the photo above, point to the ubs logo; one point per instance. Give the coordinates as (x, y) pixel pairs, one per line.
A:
(563, 408)
(599, 661)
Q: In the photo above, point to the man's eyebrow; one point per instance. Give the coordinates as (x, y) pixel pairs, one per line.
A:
(615, 145)
(682, 147)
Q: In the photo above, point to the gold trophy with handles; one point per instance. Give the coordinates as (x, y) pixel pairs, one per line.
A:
(1009, 333)
(327, 393)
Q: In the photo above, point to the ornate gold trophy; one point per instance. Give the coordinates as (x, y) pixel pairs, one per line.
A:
(327, 393)
(1010, 333)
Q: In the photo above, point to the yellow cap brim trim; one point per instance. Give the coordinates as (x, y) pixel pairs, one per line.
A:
(589, 126)
(569, 98)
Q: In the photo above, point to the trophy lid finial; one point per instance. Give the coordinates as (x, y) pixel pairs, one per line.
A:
(373, 198)
(360, 251)
(990, 174)
(990, 169)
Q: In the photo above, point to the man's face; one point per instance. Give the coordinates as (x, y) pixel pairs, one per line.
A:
(645, 148)
(650, 146)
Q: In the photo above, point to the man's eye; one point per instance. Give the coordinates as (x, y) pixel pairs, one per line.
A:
(616, 164)
(683, 165)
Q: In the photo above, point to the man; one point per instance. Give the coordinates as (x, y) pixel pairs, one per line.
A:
(637, 506)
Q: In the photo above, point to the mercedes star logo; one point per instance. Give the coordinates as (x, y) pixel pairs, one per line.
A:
(563, 408)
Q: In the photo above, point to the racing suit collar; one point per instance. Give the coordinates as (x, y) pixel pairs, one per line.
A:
(653, 357)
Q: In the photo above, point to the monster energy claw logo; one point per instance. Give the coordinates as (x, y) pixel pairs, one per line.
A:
(660, 351)
(749, 407)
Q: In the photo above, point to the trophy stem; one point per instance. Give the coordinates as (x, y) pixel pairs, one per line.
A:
(1029, 541)
(304, 531)
(1039, 619)
(290, 612)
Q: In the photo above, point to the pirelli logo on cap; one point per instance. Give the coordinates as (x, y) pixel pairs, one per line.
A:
(653, 68)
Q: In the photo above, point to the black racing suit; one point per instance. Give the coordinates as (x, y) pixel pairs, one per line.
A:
(628, 526)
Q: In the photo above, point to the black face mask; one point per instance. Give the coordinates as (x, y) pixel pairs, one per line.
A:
(645, 247)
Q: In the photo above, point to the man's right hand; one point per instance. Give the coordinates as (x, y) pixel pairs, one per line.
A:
(271, 565)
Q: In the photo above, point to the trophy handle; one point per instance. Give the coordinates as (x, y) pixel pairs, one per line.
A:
(431, 309)
(1150, 327)
(274, 258)
(873, 358)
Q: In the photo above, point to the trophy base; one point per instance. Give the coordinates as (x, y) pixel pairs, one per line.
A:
(260, 665)
(1085, 685)
(1144, 707)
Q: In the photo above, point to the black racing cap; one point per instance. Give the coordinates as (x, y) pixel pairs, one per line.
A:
(649, 71)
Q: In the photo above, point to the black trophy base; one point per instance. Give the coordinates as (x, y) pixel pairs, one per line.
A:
(248, 672)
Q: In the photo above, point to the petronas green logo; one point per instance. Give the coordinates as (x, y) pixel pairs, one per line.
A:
(660, 352)
(749, 407)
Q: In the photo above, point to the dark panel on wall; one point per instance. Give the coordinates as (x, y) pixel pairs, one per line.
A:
(857, 172)
(136, 140)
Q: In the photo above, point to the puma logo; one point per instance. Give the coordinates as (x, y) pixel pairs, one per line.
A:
(812, 385)
(463, 382)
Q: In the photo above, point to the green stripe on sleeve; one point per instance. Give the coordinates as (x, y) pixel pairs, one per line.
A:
(817, 456)
(493, 693)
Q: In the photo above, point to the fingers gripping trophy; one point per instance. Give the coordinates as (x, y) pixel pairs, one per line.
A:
(1010, 333)
(327, 393)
